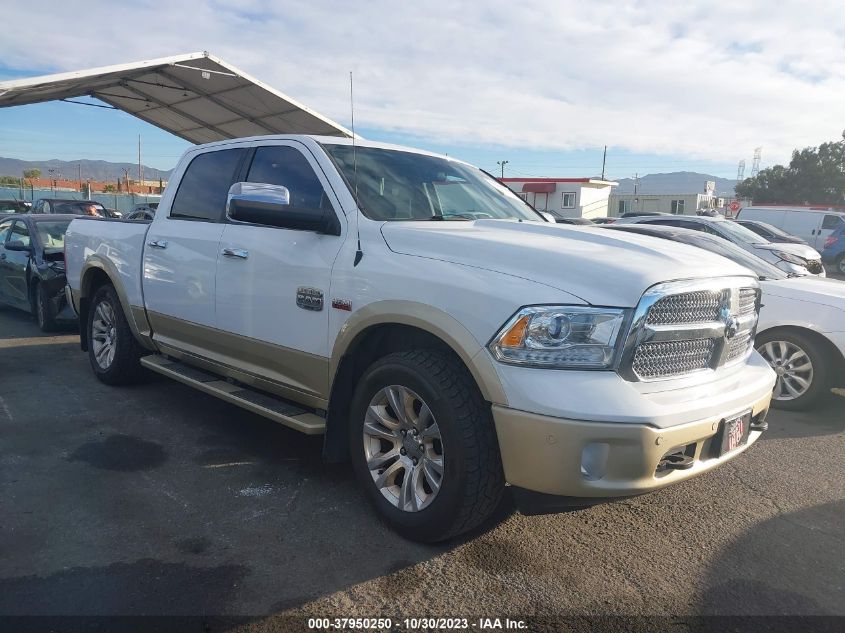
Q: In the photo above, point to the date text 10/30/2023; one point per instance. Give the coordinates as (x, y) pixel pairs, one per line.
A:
(413, 624)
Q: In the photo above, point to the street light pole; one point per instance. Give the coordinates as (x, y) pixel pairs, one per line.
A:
(502, 164)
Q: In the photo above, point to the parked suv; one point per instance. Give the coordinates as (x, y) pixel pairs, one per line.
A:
(437, 330)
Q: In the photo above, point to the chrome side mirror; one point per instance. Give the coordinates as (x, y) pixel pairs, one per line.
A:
(256, 195)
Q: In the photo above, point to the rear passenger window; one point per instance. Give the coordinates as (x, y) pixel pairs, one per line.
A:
(286, 166)
(831, 221)
(205, 185)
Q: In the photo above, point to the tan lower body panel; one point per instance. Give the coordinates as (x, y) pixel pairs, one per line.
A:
(544, 454)
(304, 421)
(281, 370)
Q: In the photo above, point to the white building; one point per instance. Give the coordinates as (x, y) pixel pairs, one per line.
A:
(679, 203)
(566, 197)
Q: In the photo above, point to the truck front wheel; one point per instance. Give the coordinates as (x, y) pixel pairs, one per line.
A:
(423, 445)
(113, 351)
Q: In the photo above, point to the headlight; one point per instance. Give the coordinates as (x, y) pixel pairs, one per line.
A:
(560, 337)
(792, 259)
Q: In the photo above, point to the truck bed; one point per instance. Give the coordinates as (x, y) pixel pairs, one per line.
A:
(118, 245)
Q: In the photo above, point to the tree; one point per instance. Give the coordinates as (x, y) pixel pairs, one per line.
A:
(815, 175)
(32, 174)
(109, 189)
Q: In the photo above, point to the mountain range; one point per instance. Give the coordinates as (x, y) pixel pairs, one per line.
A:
(105, 171)
(676, 182)
(97, 170)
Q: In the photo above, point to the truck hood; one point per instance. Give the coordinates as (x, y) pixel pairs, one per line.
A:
(601, 267)
(801, 250)
(812, 289)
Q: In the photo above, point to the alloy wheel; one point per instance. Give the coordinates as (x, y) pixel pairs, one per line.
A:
(403, 448)
(104, 334)
(793, 367)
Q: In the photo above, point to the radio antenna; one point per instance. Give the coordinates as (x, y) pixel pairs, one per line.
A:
(359, 254)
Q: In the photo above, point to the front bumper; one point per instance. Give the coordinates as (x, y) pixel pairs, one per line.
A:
(545, 454)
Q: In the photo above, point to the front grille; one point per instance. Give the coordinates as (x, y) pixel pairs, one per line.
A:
(673, 358)
(815, 266)
(747, 301)
(683, 327)
(688, 307)
(738, 346)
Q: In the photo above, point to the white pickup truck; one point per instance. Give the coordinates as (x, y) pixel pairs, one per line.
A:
(439, 332)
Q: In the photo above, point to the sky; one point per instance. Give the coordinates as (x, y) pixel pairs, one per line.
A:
(544, 85)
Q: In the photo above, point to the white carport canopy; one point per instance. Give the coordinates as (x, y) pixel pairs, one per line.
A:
(197, 97)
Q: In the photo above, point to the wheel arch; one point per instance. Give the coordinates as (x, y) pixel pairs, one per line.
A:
(387, 327)
(97, 272)
(833, 351)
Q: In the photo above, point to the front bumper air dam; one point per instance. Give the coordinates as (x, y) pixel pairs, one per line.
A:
(544, 454)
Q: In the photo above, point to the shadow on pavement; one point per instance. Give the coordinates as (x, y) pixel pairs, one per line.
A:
(828, 418)
(807, 549)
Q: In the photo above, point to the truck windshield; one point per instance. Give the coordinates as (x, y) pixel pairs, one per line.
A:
(398, 185)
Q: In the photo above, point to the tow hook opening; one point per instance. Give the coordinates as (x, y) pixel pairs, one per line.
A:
(681, 458)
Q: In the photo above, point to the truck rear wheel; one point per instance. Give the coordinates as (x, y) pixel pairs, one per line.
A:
(423, 445)
(112, 349)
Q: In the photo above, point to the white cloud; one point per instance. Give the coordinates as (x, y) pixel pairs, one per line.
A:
(712, 80)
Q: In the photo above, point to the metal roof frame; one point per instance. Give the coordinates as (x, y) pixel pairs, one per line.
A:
(197, 97)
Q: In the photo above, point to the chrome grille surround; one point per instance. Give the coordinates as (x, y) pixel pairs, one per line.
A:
(682, 328)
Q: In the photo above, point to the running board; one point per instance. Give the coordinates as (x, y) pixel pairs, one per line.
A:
(272, 407)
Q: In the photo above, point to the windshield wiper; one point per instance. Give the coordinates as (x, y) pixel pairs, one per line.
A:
(451, 216)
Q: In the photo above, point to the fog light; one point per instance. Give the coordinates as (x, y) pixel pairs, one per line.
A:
(594, 460)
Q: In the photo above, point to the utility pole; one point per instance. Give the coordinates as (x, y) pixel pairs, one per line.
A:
(636, 186)
(52, 182)
(502, 164)
(79, 174)
(755, 166)
(126, 176)
(140, 169)
(603, 162)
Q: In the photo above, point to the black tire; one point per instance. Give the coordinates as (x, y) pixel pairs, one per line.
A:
(473, 480)
(822, 364)
(41, 307)
(125, 367)
(840, 264)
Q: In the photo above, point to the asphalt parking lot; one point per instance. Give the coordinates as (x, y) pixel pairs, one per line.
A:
(156, 499)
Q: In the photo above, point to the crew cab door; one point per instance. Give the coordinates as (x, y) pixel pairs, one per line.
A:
(180, 253)
(264, 274)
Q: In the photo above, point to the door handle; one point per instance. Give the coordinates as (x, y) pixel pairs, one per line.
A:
(235, 252)
(157, 243)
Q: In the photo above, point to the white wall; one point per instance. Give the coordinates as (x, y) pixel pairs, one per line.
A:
(590, 199)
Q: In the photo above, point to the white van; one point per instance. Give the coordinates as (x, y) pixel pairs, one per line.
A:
(811, 225)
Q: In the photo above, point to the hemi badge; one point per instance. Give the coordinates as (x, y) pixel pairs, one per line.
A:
(342, 304)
